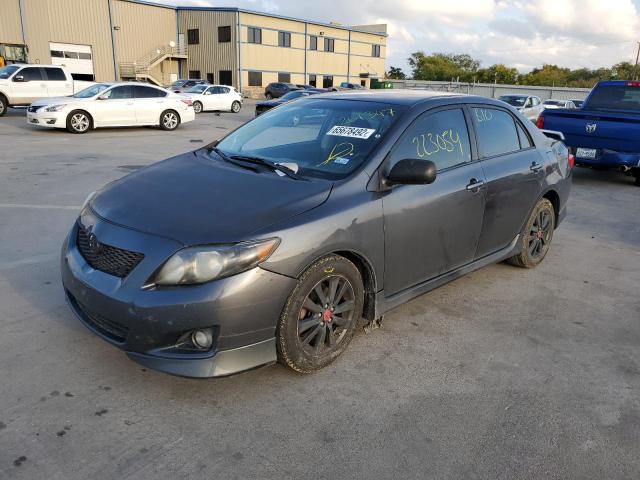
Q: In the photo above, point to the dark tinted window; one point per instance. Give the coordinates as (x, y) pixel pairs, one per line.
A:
(515, 100)
(148, 92)
(313, 43)
(224, 34)
(31, 73)
(119, 93)
(284, 39)
(312, 80)
(327, 81)
(284, 77)
(193, 36)
(496, 131)
(55, 74)
(210, 77)
(254, 35)
(525, 141)
(57, 54)
(615, 97)
(255, 79)
(70, 54)
(192, 74)
(441, 137)
(225, 77)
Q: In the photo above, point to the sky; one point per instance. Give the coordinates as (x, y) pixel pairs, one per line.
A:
(520, 34)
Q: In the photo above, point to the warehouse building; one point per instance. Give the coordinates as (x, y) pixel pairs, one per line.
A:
(104, 40)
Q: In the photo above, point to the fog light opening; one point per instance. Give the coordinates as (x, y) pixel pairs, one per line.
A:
(202, 339)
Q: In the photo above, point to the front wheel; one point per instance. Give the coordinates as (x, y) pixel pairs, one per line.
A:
(536, 237)
(79, 122)
(3, 106)
(321, 315)
(235, 107)
(169, 120)
(197, 107)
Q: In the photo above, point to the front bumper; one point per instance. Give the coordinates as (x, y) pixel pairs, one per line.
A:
(241, 310)
(47, 119)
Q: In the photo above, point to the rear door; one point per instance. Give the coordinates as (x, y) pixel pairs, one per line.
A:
(28, 85)
(432, 229)
(514, 171)
(57, 83)
(150, 102)
(117, 109)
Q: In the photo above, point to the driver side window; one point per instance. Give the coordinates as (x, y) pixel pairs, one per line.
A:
(441, 137)
(119, 93)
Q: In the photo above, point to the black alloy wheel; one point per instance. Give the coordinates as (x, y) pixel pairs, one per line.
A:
(536, 236)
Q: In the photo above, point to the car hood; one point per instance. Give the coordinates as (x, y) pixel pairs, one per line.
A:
(195, 199)
(55, 100)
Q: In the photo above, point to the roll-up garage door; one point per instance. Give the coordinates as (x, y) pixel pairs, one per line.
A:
(77, 58)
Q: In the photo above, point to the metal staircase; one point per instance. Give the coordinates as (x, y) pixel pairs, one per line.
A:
(140, 70)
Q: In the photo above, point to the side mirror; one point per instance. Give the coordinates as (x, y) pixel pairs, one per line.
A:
(412, 172)
(207, 92)
(103, 97)
(19, 78)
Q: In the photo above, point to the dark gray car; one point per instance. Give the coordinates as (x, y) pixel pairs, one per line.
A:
(318, 216)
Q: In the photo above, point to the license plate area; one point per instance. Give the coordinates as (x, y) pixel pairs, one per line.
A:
(586, 153)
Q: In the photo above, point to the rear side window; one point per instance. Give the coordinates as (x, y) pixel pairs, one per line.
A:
(119, 93)
(497, 132)
(55, 74)
(441, 137)
(148, 92)
(525, 141)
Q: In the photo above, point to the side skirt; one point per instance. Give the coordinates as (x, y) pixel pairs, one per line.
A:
(384, 304)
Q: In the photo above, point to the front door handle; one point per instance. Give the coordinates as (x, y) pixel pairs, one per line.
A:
(535, 167)
(474, 185)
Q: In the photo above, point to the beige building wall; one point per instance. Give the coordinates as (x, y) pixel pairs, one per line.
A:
(10, 30)
(84, 22)
(210, 55)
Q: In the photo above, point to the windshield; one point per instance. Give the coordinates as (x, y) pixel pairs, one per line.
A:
(197, 89)
(514, 100)
(292, 95)
(6, 72)
(615, 97)
(178, 83)
(92, 91)
(553, 102)
(325, 138)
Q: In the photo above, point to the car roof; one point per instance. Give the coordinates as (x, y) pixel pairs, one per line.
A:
(399, 97)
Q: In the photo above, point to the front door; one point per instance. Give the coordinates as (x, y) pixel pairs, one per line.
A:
(514, 172)
(433, 229)
(31, 87)
(117, 108)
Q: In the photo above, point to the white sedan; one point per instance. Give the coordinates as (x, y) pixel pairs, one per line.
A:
(221, 98)
(122, 104)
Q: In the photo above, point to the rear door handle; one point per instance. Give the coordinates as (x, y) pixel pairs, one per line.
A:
(474, 184)
(535, 167)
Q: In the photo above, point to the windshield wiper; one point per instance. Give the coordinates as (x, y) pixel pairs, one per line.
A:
(228, 159)
(273, 166)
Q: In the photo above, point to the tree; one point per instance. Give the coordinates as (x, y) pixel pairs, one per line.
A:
(548, 75)
(497, 73)
(622, 71)
(443, 66)
(396, 73)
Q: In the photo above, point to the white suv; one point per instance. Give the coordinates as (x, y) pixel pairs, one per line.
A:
(122, 104)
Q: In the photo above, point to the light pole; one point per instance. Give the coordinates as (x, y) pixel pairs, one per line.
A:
(172, 45)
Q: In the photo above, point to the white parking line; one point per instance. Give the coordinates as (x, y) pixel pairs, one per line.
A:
(41, 207)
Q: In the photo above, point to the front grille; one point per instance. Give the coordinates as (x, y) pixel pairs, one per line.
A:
(113, 330)
(112, 260)
(33, 109)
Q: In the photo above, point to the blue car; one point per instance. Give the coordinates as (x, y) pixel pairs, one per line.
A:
(605, 132)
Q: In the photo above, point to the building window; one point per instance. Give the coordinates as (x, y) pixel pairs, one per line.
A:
(255, 79)
(375, 50)
(327, 81)
(210, 77)
(329, 44)
(284, 77)
(225, 77)
(312, 80)
(195, 74)
(193, 36)
(313, 43)
(255, 35)
(284, 39)
(363, 83)
(224, 34)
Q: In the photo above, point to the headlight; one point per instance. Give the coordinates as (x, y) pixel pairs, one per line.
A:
(87, 200)
(203, 264)
(54, 108)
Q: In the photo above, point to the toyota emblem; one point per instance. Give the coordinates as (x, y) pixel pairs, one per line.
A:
(591, 127)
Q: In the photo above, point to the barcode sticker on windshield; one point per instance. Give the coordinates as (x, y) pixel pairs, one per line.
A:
(353, 132)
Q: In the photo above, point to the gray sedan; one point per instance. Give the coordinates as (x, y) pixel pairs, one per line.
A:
(277, 242)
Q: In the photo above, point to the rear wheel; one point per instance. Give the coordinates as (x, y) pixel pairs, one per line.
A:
(321, 315)
(4, 105)
(637, 182)
(235, 107)
(536, 237)
(197, 107)
(79, 121)
(169, 120)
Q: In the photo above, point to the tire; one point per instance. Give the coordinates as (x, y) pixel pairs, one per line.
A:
(637, 181)
(310, 336)
(169, 120)
(268, 96)
(197, 107)
(79, 121)
(235, 107)
(4, 105)
(536, 236)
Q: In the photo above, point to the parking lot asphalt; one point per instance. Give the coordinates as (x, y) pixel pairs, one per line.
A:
(503, 374)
